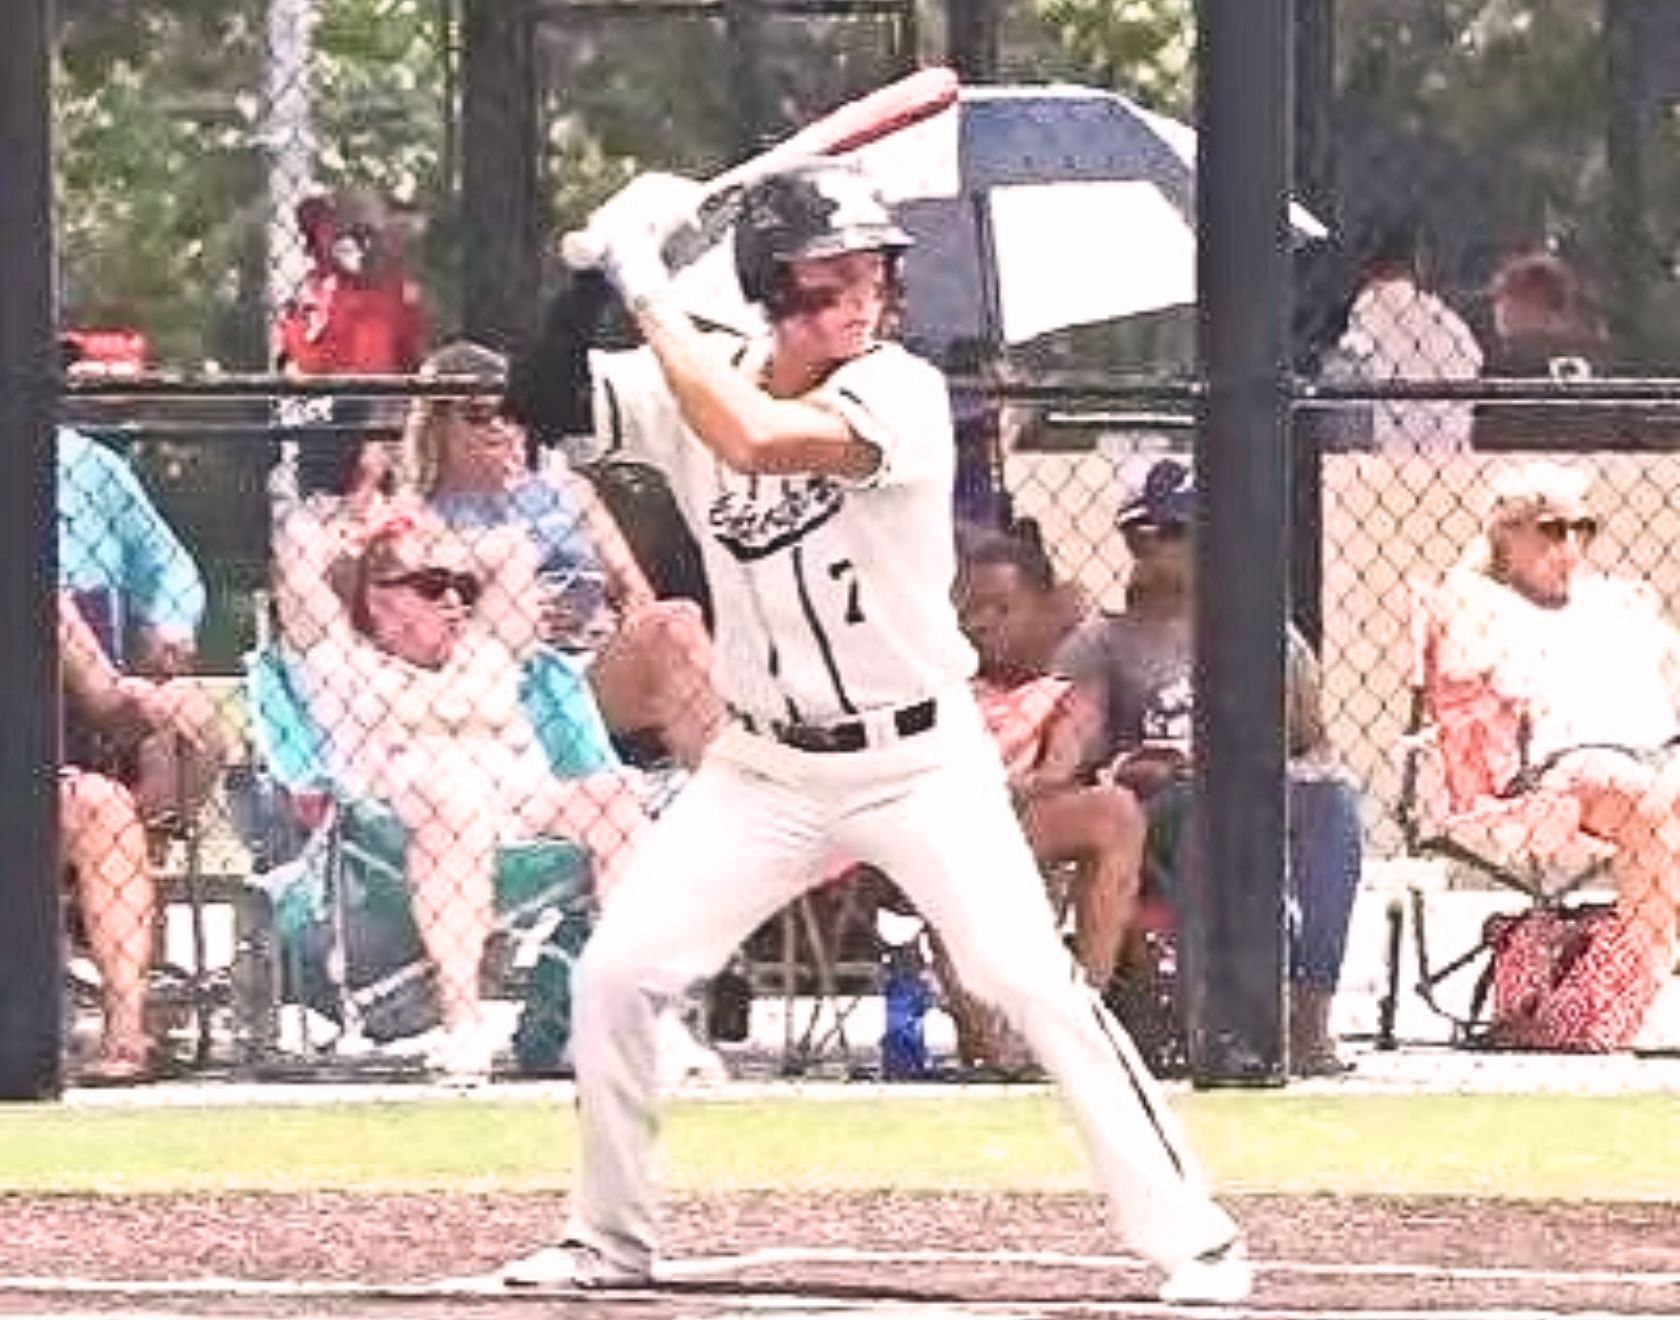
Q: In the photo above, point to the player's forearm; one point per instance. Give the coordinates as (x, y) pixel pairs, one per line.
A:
(749, 430)
(729, 414)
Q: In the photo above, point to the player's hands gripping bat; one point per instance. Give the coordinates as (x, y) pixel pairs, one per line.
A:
(630, 232)
(695, 222)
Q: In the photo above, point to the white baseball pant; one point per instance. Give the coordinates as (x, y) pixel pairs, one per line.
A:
(755, 828)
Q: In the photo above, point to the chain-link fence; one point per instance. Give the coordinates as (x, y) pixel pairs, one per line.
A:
(423, 683)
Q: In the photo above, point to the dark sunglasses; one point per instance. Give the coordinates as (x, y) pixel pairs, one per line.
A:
(478, 412)
(435, 583)
(1557, 530)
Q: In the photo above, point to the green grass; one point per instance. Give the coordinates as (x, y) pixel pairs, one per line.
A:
(1513, 1146)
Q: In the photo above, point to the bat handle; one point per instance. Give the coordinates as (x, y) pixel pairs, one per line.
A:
(584, 249)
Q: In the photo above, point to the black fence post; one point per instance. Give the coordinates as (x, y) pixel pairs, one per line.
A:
(501, 206)
(1315, 187)
(1235, 880)
(746, 22)
(31, 963)
(1632, 262)
(971, 28)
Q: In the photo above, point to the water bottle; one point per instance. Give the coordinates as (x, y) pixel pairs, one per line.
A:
(904, 1053)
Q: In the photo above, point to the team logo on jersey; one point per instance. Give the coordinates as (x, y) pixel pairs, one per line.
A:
(1169, 714)
(756, 522)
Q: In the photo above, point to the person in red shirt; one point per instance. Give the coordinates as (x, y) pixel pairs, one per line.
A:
(358, 311)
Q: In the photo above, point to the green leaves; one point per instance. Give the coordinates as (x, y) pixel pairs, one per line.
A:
(156, 171)
(1143, 48)
(162, 159)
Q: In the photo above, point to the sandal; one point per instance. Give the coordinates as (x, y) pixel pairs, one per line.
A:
(122, 1068)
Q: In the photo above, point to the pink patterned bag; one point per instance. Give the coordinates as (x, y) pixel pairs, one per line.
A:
(1578, 979)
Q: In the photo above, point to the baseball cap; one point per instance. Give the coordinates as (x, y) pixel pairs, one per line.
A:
(1167, 498)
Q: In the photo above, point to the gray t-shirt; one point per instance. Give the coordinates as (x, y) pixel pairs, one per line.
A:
(1140, 668)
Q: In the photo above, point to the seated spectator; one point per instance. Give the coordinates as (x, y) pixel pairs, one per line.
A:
(651, 659)
(421, 703)
(1399, 330)
(1136, 667)
(105, 845)
(140, 752)
(1543, 325)
(139, 590)
(1008, 589)
(357, 311)
(1011, 609)
(1585, 674)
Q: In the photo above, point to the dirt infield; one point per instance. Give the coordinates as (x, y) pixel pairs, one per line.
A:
(334, 1254)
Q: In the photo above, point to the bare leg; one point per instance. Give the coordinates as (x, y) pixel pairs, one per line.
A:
(977, 1026)
(180, 762)
(106, 844)
(1100, 830)
(602, 812)
(1638, 809)
(656, 674)
(452, 815)
(454, 808)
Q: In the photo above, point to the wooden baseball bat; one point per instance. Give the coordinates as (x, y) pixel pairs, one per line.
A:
(899, 104)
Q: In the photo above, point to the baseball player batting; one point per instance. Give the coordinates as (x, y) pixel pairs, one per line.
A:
(815, 468)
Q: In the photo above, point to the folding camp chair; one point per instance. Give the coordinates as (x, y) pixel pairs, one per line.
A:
(820, 957)
(343, 921)
(1462, 744)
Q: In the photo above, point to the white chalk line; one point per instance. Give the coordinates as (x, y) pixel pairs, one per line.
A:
(721, 1305)
(701, 1267)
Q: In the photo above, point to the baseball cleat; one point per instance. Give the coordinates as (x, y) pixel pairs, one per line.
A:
(571, 1265)
(1221, 1277)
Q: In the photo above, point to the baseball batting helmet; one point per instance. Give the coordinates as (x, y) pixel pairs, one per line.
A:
(821, 208)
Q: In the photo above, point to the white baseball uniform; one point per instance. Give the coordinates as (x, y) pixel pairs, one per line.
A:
(835, 626)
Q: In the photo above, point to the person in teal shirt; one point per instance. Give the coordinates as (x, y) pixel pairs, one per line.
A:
(135, 754)
(132, 578)
(140, 591)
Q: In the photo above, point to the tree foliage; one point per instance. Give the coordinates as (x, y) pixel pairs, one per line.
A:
(162, 162)
(1143, 48)
(1482, 78)
(155, 117)
(1483, 119)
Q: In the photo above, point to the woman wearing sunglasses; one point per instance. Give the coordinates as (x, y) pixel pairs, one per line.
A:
(422, 706)
(1585, 672)
(649, 660)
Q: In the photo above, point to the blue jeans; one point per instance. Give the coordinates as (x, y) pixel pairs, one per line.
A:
(1325, 854)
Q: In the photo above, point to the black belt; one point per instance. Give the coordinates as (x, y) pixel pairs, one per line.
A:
(848, 736)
